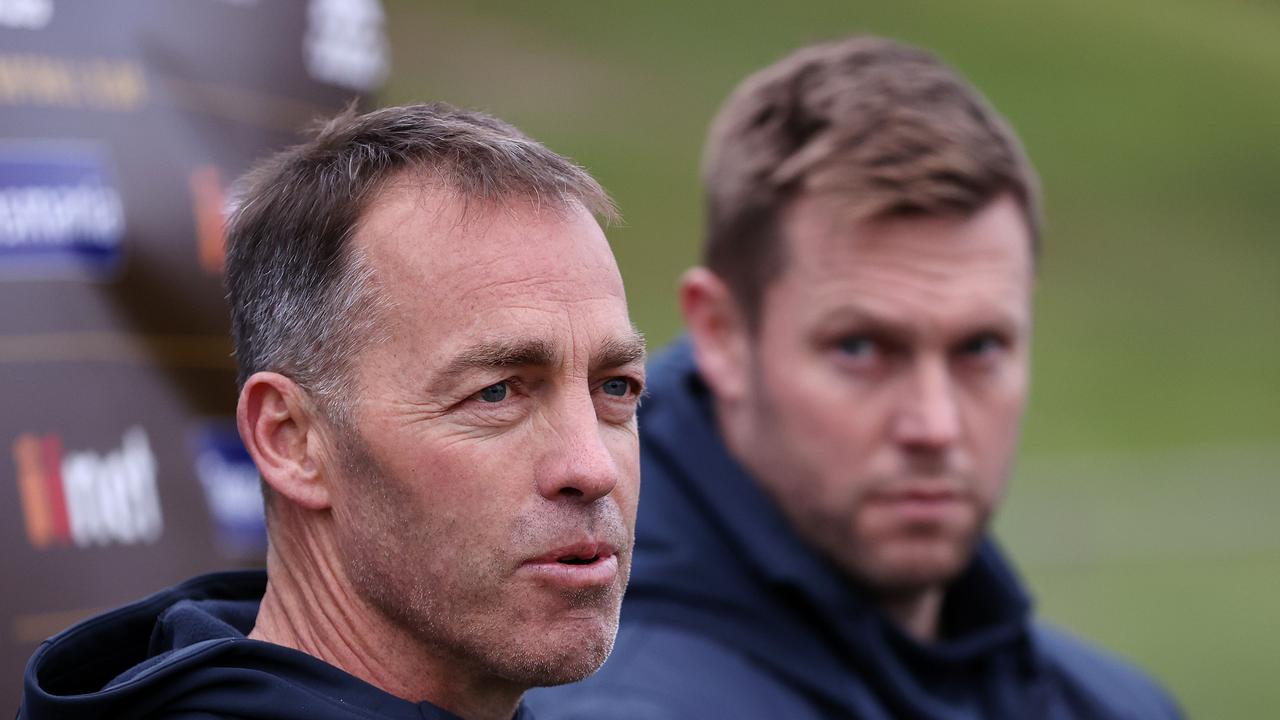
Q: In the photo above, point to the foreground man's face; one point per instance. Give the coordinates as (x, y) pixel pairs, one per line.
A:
(493, 470)
(887, 384)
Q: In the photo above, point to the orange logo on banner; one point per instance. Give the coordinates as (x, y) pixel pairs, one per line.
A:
(39, 464)
(86, 498)
(209, 205)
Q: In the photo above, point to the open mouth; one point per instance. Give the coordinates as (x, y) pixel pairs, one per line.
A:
(578, 555)
(582, 565)
(581, 553)
(577, 559)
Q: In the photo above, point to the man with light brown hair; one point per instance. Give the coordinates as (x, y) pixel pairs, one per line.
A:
(823, 453)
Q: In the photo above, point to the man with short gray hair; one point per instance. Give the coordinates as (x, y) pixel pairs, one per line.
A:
(438, 385)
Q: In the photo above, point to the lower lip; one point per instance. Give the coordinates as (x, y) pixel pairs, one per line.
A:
(599, 573)
(925, 509)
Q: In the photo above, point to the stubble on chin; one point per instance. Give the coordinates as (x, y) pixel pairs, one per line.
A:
(909, 560)
(470, 610)
(565, 645)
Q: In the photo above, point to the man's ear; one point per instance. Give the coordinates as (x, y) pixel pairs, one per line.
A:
(718, 330)
(279, 426)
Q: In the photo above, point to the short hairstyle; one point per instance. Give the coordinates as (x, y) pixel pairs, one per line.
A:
(886, 128)
(303, 301)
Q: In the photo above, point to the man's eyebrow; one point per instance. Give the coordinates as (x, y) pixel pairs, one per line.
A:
(619, 351)
(903, 326)
(497, 354)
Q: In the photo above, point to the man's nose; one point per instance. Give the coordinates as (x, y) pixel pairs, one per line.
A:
(929, 415)
(578, 464)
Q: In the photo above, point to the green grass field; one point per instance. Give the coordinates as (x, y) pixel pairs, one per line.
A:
(1141, 509)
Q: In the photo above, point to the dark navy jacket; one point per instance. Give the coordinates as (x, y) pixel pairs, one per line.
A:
(730, 615)
(182, 653)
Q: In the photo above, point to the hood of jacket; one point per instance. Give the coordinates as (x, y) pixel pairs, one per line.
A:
(184, 651)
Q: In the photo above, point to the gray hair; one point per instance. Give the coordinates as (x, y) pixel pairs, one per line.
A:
(303, 299)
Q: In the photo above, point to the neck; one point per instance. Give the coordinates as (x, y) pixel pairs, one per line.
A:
(917, 613)
(310, 605)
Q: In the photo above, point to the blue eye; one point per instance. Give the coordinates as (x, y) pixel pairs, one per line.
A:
(981, 345)
(856, 346)
(616, 386)
(495, 393)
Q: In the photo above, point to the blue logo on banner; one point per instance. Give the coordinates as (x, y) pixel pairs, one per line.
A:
(231, 490)
(60, 211)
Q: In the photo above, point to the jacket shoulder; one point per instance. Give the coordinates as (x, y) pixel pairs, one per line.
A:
(1101, 680)
(662, 672)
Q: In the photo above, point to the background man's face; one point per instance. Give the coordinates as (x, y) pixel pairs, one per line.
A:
(887, 383)
(491, 477)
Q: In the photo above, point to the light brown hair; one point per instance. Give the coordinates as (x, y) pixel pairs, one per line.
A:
(886, 128)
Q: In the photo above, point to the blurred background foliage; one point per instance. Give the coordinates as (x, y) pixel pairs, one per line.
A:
(1141, 512)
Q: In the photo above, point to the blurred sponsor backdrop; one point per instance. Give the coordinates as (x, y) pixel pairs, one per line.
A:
(1141, 509)
(122, 127)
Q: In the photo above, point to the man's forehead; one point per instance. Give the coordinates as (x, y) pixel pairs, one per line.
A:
(832, 224)
(992, 245)
(414, 215)
(423, 239)
(906, 295)
(908, 272)
(521, 285)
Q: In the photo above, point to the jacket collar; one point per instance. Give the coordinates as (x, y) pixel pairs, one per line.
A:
(182, 643)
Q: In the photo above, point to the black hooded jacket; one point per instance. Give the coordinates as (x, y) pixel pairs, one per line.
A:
(182, 653)
(730, 615)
